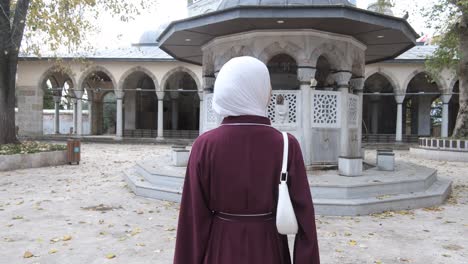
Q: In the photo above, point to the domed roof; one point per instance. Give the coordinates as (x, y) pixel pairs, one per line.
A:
(151, 36)
(233, 3)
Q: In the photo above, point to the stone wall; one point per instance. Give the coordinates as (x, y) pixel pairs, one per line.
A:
(66, 121)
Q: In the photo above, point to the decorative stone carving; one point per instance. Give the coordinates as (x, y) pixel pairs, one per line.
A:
(305, 75)
(342, 78)
(283, 107)
(119, 94)
(353, 108)
(357, 84)
(208, 82)
(211, 116)
(325, 109)
(282, 110)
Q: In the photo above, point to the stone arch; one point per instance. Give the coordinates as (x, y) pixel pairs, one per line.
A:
(277, 48)
(452, 84)
(358, 67)
(138, 69)
(332, 53)
(55, 69)
(180, 69)
(96, 68)
(389, 76)
(208, 64)
(440, 84)
(233, 52)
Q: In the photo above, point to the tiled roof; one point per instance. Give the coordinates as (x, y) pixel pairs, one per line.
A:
(416, 53)
(147, 53)
(153, 53)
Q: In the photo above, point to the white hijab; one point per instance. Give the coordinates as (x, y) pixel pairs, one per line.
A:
(242, 87)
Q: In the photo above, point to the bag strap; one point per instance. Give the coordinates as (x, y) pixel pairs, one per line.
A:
(284, 167)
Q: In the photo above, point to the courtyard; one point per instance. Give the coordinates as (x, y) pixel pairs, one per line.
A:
(87, 214)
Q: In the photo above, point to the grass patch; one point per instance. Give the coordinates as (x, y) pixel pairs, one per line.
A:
(29, 147)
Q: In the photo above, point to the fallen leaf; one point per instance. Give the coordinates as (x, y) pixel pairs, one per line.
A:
(28, 254)
(348, 234)
(17, 217)
(53, 251)
(55, 240)
(433, 209)
(66, 238)
(452, 247)
(110, 256)
(135, 231)
(352, 243)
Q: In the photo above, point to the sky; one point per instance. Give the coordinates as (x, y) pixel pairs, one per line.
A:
(118, 34)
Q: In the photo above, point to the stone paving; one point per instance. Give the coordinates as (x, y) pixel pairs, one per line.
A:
(87, 214)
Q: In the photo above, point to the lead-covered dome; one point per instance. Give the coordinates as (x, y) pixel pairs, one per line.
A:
(225, 4)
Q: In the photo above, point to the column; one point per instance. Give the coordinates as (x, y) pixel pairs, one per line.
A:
(349, 164)
(306, 76)
(399, 125)
(445, 114)
(57, 100)
(79, 112)
(202, 111)
(160, 115)
(119, 95)
(90, 110)
(358, 86)
(375, 117)
(175, 110)
(75, 116)
(342, 79)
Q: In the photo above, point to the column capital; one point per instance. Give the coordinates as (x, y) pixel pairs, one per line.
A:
(174, 95)
(342, 78)
(400, 98)
(201, 94)
(357, 84)
(208, 82)
(446, 98)
(78, 94)
(57, 99)
(119, 94)
(160, 95)
(306, 75)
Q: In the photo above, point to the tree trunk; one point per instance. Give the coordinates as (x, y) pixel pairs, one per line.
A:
(461, 127)
(7, 106)
(11, 35)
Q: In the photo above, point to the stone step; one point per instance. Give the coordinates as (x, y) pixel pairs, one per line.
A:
(372, 186)
(433, 196)
(161, 178)
(141, 187)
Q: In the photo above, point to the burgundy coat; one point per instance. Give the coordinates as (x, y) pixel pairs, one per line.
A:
(236, 170)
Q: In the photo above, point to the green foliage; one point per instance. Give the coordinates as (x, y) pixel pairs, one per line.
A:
(444, 17)
(53, 25)
(29, 147)
(110, 111)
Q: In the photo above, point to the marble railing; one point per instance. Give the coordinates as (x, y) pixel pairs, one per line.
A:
(444, 144)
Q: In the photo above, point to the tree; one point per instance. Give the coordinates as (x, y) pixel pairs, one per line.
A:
(452, 51)
(382, 6)
(58, 23)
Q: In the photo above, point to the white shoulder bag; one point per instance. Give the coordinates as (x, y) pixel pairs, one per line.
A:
(286, 221)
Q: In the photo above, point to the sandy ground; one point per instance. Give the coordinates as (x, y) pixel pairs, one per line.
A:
(86, 214)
